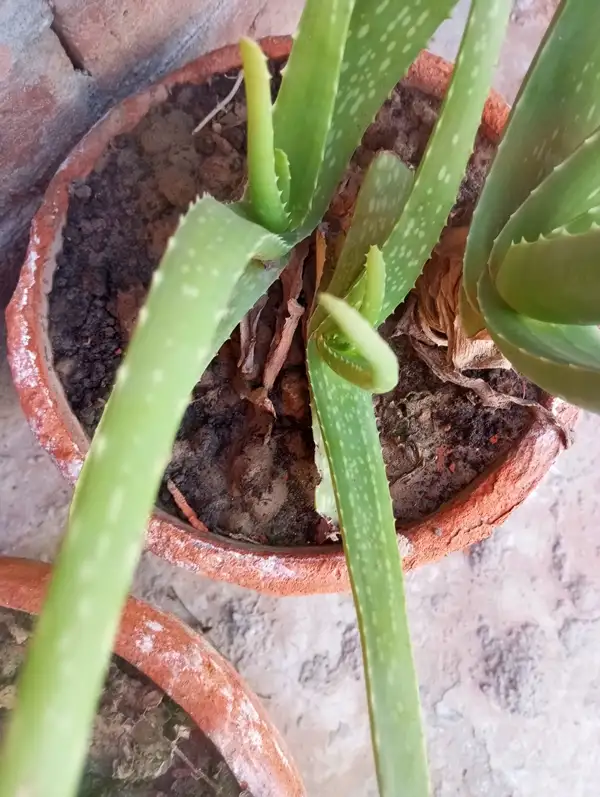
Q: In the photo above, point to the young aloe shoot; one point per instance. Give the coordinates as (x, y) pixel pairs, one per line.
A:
(210, 276)
(531, 271)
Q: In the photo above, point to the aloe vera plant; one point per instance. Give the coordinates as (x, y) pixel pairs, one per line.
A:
(347, 56)
(220, 261)
(397, 222)
(531, 272)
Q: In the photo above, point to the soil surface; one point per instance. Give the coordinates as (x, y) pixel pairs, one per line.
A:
(143, 744)
(237, 468)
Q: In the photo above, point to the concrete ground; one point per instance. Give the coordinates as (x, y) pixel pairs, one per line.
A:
(507, 635)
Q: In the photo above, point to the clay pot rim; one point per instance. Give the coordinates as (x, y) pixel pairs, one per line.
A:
(188, 669)
(468, 518)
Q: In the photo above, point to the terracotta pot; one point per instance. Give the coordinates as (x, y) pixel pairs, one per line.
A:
(191, 673)
(467, 519)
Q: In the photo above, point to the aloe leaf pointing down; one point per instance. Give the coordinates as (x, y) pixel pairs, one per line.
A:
(413, 214)
(347, 422)
(172, 343)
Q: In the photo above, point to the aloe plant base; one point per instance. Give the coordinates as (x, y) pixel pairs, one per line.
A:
(469, 517)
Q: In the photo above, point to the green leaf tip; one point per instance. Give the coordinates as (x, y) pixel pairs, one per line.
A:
(374, 283)
(563, 360)
(368, 361)
(264, 193)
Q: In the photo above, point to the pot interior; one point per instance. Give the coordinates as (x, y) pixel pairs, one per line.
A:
(243, 462)
(143, 744)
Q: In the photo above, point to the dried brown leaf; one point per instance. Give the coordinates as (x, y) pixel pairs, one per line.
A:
(439, 365)
(127, 307)
(278, 354)
(260, 399)
(435, 313)
(185, 509)
(313, 276)
(248, 330)
(290, 312)
(326, 532)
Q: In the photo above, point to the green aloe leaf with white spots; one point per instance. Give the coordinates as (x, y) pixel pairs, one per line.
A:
(543, 314)
(384, 191)
(381, 198)
(556, 277)
(347, 362)
(396, 224)
(173, 342)
(557, 108)
(443, 165)
(351, 441)
(531, 271)
(367, 49)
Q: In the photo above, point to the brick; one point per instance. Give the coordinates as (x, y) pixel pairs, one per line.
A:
(43, 108)
(256, 18)
(116, 39)
(125, 42)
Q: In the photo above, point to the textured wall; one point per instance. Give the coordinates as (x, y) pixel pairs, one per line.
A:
(62, 62)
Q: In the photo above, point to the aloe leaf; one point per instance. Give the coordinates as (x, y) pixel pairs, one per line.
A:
(584, 222)
(263, 190)
(441, 170)
(374, 280)
(570, 190)
(382, 196)
(324, 492)
(284, 178)
(563, 360)
(46, 741)
(554, 279)
(383, 193)
(256, 279)
(368, 361)
(304, 107)
(347, 421)
(384, 38)
(556, 110)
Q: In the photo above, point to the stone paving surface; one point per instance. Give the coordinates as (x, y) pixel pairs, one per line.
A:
(507, 635)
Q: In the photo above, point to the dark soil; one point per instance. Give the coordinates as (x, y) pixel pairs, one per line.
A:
(143, 744)
(245, 475)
